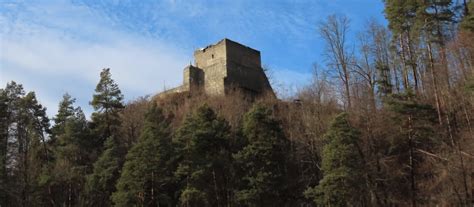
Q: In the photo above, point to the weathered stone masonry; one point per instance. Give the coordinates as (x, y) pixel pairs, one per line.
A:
(222, 67)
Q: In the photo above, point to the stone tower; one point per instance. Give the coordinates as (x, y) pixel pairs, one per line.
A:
(223, 67)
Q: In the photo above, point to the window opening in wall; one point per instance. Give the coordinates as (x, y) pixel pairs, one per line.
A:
(212, 56)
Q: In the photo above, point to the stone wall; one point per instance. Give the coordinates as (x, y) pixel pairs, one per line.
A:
(225, 66)
(242, 55)
(212, 54)
(244, 69)
(212, 60)
(193, 78)
(249, 79)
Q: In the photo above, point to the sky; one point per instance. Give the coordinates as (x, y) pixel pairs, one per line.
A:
(58, 46)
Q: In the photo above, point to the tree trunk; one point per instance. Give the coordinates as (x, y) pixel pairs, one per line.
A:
(153, 188)
(69, 198)
(472, 188)
(406, 85)
(435, 85)
(412, 163)
(412, 63)
(216, 189)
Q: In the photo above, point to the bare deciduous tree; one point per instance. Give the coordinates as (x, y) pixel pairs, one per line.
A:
(334, 32)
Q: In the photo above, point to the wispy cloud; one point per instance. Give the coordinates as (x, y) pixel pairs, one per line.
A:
(59, 46)
(62, 47)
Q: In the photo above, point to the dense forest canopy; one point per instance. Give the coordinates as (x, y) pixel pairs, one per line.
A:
(388, 122)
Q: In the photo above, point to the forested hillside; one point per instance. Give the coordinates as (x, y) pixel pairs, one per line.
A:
(387, 120)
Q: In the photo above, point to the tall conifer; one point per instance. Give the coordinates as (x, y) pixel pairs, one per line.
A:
(147, 176)
(262, 162)
(342, 166)
(202, 144)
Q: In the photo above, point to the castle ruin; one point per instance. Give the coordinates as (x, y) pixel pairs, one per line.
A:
(223, 67)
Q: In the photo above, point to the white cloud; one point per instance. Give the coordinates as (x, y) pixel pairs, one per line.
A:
(56, 46)
(51, 55)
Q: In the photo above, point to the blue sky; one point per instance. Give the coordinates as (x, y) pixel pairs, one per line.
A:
(59, 46)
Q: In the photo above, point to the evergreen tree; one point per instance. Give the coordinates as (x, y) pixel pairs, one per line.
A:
(107, 102)
(470, 85)
(101, 183)
(38, 192)
(4, 118)
(72, 152)
(25, 127)
(467, 22)
(35, 153)
(202, 146)
(342, 166)
(433, 17)
(401, 15)
(147, 176)
(384, 82)
(262, 162)
(65, 111)
(11, 101)
(414, 122)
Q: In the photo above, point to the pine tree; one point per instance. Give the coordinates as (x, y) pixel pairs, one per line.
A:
(202, 144)
(101, 183)
(107, 102)
(414, 122)
(73, 157)
(342, 166)
(470, 85)
(11, 101)
(65, 111)
(262, 162)
(35, 150)
(147, 176)
(71, 147)
(401, 15)
(38, 191)
(24, 145)
(4, 118)
(433, 17)
(467, 23)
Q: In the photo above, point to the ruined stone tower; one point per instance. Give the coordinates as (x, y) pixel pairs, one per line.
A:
(223, 67)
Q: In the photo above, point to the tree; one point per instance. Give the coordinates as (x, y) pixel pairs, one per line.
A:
(33, 153)
(401, 15)
(101, 183)
(414, 134)
(65, 111)
(334, 32)
(24, 150)
(433, 17)
(369, 64)
(379, 50)
(147, 175)
(342, 166)
(107, 102)
(467, 23)
(71, 147)
(4, 123)
(40, 157)
(470, 85)
(132, 119)
(202, 143)
(262, 162)
(11, 104)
